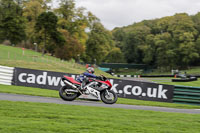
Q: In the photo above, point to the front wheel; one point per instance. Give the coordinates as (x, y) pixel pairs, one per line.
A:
(109, 97)
(67, 96)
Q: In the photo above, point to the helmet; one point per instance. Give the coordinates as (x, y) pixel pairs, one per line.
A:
(90, 70)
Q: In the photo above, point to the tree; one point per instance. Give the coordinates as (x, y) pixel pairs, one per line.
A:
(31, 10)
(134, 42)
(165, 52)
(149, 49)
(183, 31)
(163, 24)
(169, 42)
(74, 22)
(114, 56)
(13, 29)
(12, 24)
(70, 18)
(118, 37)
(187, 50)
(179, 24)
(71, 48)
(46, 27)
(99, 43)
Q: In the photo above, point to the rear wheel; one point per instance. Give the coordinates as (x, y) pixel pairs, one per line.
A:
(68, 96)
(110, 97)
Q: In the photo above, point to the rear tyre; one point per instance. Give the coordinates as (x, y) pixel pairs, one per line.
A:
(67, 96)
(110, 98)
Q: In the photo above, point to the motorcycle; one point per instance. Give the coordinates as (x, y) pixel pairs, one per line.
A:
(98, 88)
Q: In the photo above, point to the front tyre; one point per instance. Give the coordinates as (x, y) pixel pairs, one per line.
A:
(109, 98)
(67, 96)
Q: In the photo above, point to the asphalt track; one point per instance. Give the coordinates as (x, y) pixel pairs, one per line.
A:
(27, 98)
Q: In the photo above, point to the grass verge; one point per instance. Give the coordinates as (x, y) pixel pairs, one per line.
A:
(192, 83)
(23, 117)
(54, 93)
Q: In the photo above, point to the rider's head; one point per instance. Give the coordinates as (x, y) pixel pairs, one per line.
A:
(90, 70)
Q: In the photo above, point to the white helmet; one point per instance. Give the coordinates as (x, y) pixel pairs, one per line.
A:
(90, 70)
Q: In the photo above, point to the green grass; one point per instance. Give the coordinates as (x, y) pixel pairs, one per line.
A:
(28, 91)
(23, 117)
(192, 83)
(191, 70)
(168, 80)
(54, 93)
(13, 57)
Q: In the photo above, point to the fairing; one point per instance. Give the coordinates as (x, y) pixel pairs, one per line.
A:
(106, 82)
(70, 79)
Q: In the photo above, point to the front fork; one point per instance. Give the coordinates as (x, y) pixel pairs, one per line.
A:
(107, 92)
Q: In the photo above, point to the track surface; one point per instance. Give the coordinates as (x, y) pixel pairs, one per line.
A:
(27, 98)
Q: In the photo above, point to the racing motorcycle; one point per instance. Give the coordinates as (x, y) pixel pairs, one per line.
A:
(98, 88)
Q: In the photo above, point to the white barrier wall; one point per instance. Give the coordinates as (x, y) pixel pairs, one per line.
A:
(6, 75)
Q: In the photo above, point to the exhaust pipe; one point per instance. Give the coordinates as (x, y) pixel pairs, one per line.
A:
(73, 86)
(71, 90)
(66, 82)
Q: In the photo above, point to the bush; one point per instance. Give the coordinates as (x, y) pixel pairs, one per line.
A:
(6, 42)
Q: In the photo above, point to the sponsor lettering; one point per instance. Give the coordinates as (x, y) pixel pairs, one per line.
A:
(42, 79)
(139, 91)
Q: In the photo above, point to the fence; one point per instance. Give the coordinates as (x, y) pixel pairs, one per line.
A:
(6, 75)
(186, 95)
(18, 59)
(27, 56)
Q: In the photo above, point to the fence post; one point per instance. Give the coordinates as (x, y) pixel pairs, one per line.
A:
(8, 55)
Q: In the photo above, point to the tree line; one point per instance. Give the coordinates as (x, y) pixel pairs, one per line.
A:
(68, 32)
(171, 42)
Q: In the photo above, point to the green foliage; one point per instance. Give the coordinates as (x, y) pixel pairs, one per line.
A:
(99, 43)
(31, 10)
(118, 37)
(12, 24)
(46, 27)
(166, 43)
(134, 42)
(114, 56)
(71, 49)
(72, 24)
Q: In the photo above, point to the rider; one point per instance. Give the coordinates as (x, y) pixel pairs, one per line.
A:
(89, 73)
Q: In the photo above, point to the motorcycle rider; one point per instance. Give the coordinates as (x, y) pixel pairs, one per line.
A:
(88, 74)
